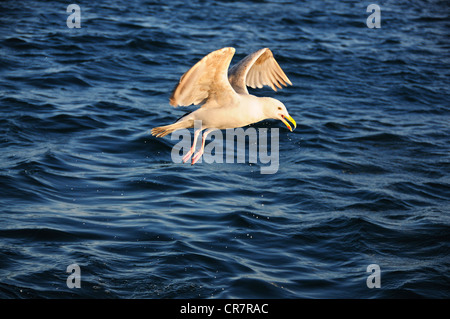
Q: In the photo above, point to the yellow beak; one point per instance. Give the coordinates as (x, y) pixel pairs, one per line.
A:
(286, 122)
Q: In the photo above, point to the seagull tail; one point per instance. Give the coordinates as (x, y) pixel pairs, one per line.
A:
(161, 131)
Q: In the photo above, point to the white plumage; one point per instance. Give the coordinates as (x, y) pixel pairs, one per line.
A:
(223, 95)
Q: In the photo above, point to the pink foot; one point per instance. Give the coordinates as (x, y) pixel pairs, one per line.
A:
(187, 156)
(197, 156)
(192, 150)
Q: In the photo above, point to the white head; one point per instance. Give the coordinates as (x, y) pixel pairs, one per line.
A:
(274, 109)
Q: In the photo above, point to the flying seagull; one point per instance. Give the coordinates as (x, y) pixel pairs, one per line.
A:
(223, 95)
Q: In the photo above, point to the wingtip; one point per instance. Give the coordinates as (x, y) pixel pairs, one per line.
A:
(229, 49)
(268, 51)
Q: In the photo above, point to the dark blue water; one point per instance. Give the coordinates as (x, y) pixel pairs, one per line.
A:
(364, 179)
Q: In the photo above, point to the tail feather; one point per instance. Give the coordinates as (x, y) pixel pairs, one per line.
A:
(161, 131)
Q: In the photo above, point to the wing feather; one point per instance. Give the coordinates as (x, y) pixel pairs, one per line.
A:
(207, 79)
(256, 70)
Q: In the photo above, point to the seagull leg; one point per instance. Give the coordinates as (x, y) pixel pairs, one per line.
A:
(202, 149)
(192, 150)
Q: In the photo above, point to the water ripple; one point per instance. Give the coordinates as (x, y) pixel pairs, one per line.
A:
(362, 180)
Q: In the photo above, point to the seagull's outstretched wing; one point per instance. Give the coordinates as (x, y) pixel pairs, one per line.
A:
(206, 80)
(255, 70)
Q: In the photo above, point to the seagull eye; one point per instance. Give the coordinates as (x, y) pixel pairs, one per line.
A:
(279, 108)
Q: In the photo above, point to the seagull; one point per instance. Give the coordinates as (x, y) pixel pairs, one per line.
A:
(223, 95)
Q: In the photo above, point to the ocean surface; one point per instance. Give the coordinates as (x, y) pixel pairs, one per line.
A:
(363, 180)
